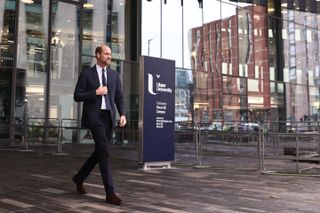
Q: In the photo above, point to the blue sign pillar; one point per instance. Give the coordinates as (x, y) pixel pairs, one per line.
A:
(156, 112)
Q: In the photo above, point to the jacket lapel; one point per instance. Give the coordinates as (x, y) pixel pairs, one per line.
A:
(109, 78)
(95, 75)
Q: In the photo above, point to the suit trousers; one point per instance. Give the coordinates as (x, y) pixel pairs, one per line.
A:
(101, 134)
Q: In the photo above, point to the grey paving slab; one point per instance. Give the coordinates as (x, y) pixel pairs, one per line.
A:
(41, 182)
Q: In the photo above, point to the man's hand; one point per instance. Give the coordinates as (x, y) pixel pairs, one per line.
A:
(102, 90)
(122, 121)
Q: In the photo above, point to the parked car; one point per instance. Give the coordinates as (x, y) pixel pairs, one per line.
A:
(249, 126)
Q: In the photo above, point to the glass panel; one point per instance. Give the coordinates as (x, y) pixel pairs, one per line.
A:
(151, 28)
(261, 57)
(172, 32)
(300, 36)
(208, 15)
(116, 33)
(300, 57)
(183, 100)
(234, 85)
(235, 107)
(280, 88)
(246, 33)
(313, 48)
(272, 87)
(196, 44)
(231, 101)
(272, 74)
(276, 96)
(31, 59)
(130, 72)
(200, 96)
(254, 85)
(228, 38)
(7, 23)
(301, 44)
(314, 103)
(64, 60)
(103, 22)
(193, 35)
(296, 99)
(256, 40)
(255, 101)
(214, 63)
(311, 77)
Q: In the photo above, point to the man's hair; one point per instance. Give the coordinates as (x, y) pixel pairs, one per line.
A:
(99, 49)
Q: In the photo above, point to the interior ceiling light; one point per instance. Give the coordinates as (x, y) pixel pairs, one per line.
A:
(88, 5)
(28, 1)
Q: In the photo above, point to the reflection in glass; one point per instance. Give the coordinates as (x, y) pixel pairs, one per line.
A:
(103, 22)
(296, 101)
(301, 59)
(245, 29)
(64, 60)
(7, 23)
(172, 32)
(31, 59)
(193, 41)
(150, 28)
(31, 64)
(183, 96)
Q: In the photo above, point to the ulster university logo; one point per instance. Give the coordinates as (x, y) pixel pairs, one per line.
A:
(159, 86)
(150, 84)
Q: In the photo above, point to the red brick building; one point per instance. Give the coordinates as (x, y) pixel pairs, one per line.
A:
(230, 67)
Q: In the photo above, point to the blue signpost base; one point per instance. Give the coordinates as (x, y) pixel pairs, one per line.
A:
(157, 165)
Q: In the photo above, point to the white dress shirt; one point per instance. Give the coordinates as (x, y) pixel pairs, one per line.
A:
(99, 71)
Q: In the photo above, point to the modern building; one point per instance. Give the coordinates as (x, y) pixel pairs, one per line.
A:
(237, 60)
(259, 64)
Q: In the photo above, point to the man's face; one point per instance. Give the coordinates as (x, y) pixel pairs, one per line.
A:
(104, 58)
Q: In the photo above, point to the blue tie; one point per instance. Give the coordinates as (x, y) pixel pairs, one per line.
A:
(106, 97)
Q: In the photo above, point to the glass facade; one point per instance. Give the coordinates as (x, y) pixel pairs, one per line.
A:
(237, 60)
(44, 45)
(7, 53)
(249, 61)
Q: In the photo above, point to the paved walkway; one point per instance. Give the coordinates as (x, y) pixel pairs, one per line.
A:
(41, 182)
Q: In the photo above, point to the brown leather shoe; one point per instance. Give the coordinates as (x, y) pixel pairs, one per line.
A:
(79, 186)
(113, 199)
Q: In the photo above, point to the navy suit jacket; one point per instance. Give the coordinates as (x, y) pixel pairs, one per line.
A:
(85, 91)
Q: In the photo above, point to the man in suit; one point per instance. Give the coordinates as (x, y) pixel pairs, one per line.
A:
(100, 89)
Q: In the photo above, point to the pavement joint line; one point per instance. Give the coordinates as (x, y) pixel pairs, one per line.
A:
(132, 174)
(53, 191)
(250, 198)
(144, 182)
(99, 196)
(251, 209)
(94, 185)
(16, 203)
(105, 207)
(41, 176)
(160, 208)
(221, 209)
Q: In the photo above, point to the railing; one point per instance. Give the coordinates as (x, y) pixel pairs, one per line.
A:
(297, 144)
(235, 135)
(300, 151)
(293, 144)
(41, 131)
(35, 130)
